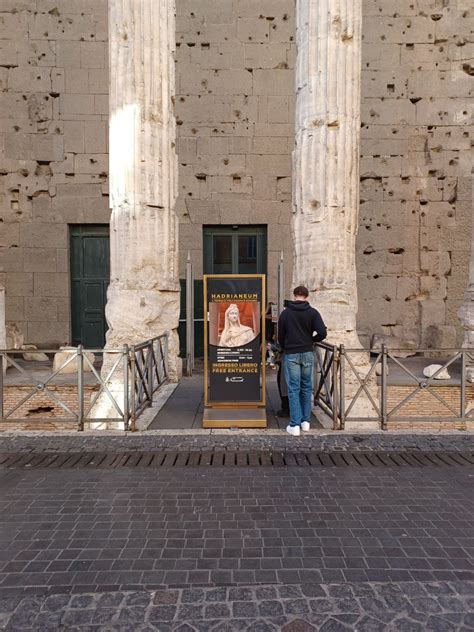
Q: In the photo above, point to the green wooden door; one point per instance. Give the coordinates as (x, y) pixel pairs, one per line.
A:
(89, 280)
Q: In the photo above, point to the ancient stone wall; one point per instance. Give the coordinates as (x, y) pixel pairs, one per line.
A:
(235, 115)
(54, 116)
(416, 168)
(235, 111)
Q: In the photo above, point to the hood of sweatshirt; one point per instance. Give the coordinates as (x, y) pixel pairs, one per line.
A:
(298, 306)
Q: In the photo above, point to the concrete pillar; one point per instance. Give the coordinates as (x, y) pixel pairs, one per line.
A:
(143, 296)
(326, 159)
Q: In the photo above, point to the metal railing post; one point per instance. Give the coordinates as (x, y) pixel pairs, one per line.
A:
(189, 317)
(1, 384)
(158, 360)
(316, 363)
(281, 283)
(165, 359)
(335, 416)
(342, 386)
(463, 386)
(383, 389)
(150, 374)
(126, 386)
(80, 388)
(133, 412)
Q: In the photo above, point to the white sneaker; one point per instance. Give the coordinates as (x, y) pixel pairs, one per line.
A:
(305, 426)
(293, 430)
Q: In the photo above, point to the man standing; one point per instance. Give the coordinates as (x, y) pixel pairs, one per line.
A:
(299, 326)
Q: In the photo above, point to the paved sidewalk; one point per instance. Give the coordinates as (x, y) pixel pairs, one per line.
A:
(368, 607)
(254, 549)
(185, 440)
(184, 409)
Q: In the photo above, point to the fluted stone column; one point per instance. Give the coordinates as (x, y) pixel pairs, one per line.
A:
(143, 296)
(326, 159)
(326, 175)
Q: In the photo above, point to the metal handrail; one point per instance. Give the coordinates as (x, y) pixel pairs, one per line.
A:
(336, 398)
(140, 370)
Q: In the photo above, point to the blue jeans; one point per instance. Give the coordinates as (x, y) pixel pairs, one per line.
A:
(298, 369)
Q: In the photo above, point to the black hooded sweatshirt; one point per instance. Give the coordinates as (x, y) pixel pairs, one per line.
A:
(299, 326)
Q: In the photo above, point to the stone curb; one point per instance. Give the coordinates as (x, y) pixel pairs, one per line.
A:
(187, 440)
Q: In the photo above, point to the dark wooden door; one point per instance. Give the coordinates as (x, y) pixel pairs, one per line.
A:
(89, 280)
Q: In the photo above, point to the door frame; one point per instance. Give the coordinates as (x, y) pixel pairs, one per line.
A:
(234, 230)
(83, 230)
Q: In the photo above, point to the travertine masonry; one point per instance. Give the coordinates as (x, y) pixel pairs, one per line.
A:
(235, 110)
(143, 295)
(326, 160)
(53, 160)
(416, 169)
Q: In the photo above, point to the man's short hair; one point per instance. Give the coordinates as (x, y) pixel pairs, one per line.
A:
(301, 290)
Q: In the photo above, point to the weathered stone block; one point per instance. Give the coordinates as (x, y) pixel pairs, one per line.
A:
(10, 235)
(76, 80)
(98, 81)
(380, 57)
(43, 235)
(19, 284)
(253, 30)
(91, 163)
(48, 26)
(8, 53)
(273, 82)
(213, 145)
(14, 310)
(278, 109)
(19, 146)
(29, 79)
(11, 260)
(74, 136)
(95, 139)
(51, 284)
(68, 54)
(264, 145)
(231, 82)
(93, 54)
(34, 355)
(101, 104)
(77, 104)
(39, 259)
(13, 22)
(48, 333)
(14, 337)
(48, 147)
(278, 165)
(264, 55)
(37, 308)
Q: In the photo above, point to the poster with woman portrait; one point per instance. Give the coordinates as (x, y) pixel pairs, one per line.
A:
(233, 339)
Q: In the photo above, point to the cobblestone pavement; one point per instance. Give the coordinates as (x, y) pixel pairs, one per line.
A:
(253, 549)
(291, 608)
(105, 441)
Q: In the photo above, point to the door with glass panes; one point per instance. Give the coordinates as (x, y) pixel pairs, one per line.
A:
(235, 249)
(227, 250)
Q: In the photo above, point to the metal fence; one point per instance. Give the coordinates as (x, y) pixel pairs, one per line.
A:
(357, 385)
(122, 381)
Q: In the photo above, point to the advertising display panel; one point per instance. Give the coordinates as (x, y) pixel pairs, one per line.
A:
(234, 335)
